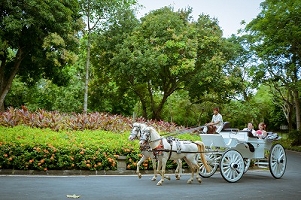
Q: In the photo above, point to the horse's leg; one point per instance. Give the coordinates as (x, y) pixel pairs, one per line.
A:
(159, 172)
(179, 169)
(198, 177)
(139, 163)
(165, 176)
(196, 169)
(163, 163)
(192, 170)
(154, 162)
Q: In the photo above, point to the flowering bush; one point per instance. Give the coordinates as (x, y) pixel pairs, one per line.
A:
(50, 140)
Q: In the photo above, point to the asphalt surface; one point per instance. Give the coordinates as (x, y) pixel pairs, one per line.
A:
(255, 184)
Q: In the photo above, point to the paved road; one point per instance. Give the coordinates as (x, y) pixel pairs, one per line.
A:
(255, 184)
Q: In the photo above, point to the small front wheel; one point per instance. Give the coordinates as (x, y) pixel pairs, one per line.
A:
(277, 161)
(212, 160)
(232, 166)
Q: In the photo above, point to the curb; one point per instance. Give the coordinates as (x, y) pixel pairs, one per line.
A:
(7, 172)
(77, 172)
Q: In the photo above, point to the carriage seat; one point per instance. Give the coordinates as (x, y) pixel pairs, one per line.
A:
(226, 128)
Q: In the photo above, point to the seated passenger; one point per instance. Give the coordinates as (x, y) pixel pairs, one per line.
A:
(261, 132)
(250, 128)
(216, 123)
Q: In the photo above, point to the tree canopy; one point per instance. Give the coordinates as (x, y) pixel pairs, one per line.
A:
(276, 40)
(37, 39)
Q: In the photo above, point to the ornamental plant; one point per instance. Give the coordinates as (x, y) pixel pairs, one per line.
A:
(26, 148)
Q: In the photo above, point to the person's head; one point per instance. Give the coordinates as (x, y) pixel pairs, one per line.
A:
(216, 110)
(250, 126)
(261, 126)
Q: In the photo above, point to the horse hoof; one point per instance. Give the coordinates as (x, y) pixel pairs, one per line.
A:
(153, 179)
(178, 177)
(159, 184)
(139, 176)
(167, 177)
(199, 180)
(189, 181)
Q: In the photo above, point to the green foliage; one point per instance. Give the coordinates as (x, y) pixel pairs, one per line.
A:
(43, 29)
(47, 95)
(26, 148)
(42, 149)
(151, 57)
(275, 38)
(295, 136)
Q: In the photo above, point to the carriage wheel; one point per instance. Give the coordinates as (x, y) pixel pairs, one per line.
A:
(277, 161)
(247, 162)
(212, 161)
(232, 166)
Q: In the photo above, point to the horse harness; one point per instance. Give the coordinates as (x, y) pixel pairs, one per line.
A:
(160, 148)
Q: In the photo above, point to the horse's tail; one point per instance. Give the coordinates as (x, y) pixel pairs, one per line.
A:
(201, 148)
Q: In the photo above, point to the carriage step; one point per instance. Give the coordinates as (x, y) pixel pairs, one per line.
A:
(261, 163)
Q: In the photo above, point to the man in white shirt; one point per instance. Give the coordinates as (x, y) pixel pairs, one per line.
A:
(250, 128)
(216, 122)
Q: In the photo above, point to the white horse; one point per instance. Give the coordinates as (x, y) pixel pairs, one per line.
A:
(147, 152)
(166, 150)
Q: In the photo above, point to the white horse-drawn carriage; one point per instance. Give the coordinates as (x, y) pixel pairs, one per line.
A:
(232, 151)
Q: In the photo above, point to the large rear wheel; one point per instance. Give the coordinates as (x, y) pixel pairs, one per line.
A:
(277, 161)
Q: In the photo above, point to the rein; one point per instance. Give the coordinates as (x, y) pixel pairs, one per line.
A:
(170, 150)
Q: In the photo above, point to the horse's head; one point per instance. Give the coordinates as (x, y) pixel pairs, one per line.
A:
(136, 130)
(145, 136)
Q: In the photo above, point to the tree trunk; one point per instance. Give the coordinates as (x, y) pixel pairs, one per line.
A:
(87, 74)
(298, 111)
(7, 83)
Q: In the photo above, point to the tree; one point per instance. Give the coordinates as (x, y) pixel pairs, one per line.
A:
(276, 38)
(155, 58)
(98, 14)
(214, 78)
(37, 39)
(158, 57)
(107, 93)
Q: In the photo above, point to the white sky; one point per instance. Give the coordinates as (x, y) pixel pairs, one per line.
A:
(229, 13)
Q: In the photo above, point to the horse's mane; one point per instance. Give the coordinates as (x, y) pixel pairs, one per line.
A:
(140, 125)
(152, 129)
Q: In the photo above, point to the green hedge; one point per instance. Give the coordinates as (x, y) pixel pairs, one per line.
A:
(22, 147)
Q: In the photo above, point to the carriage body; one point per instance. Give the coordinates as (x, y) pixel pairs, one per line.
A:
(249, 147)
(232, 150)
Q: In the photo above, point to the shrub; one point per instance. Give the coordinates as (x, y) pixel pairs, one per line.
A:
(295, 136)
(26, 148)
(91, 121)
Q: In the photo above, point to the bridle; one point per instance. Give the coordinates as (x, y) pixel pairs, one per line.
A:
(148, 138)
(137, 133)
